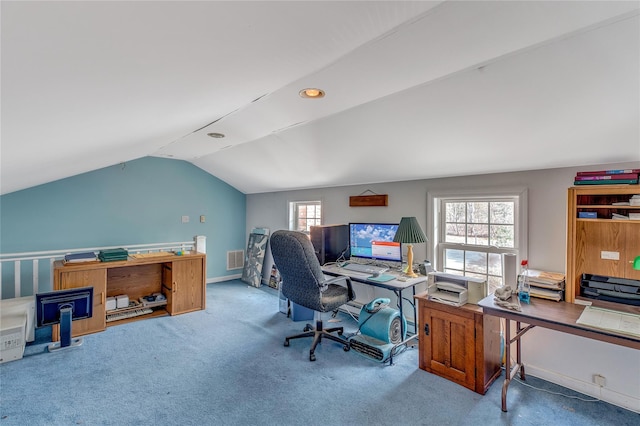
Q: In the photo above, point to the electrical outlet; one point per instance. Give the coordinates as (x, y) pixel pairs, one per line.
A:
(202, 218)
(185, 219)
(599, 380)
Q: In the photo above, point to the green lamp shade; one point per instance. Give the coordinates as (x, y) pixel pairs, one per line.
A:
(409, 232)
(636, 263)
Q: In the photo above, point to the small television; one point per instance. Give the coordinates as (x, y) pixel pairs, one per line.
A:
(63, 307)
(374, 241)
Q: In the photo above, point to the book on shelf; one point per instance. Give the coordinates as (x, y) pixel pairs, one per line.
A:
(608, 177)
(87, 256)
(616, 216)
(608, 172)
(607, 182)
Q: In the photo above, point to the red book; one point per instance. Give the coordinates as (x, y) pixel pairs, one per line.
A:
(608, 177)
(608, 172)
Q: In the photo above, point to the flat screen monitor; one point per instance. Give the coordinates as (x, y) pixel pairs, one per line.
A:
(62, 307)
(374, 241)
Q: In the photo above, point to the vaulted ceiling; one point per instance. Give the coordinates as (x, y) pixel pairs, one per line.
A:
(414, 90)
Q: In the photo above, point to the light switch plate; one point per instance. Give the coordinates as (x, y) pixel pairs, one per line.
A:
(185, 219)
(610, 255)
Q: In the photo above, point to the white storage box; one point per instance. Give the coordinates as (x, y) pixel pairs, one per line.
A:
(122, 301)
(111, 303)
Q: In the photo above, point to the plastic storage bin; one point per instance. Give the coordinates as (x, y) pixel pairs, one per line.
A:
(300, 313)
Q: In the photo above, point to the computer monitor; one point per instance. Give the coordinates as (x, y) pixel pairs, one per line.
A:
(62, 307)
(374, 241)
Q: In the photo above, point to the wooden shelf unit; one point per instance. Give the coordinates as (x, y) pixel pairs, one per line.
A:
(459, 343)
(590, 242)
(180, 278)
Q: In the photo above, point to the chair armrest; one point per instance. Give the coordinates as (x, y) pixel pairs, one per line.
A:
(338, 279)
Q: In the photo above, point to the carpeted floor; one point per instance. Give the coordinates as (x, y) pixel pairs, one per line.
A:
(227, 366)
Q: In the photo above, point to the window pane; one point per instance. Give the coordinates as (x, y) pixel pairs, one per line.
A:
(495, 264)
(478, 212)
(475, 261)
(502, 212)
(503, 236)
(472, 275)
(455, 233)
(302, 211)
(494, 283)
(454, 259)
(478, 234)
(455, 212)
(302, 225)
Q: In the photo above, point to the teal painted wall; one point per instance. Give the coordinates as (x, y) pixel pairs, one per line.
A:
(141, 201)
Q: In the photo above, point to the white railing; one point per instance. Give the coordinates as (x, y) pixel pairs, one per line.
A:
(18, 260)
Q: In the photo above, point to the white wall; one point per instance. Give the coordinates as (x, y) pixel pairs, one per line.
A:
(560, 358)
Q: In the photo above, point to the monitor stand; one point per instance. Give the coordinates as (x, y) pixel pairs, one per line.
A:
(66, 341)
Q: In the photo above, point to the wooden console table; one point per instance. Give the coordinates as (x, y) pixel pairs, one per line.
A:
(559, 316)
(180, 278)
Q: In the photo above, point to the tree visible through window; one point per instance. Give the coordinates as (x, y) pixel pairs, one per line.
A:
(305, 214)
(474, 234)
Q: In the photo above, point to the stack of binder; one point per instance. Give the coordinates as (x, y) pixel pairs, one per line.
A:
(113, 255)
(546, 285)
(83, 257)
(607, 177)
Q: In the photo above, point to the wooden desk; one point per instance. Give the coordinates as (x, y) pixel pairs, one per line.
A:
(396, 286)
(559, 316)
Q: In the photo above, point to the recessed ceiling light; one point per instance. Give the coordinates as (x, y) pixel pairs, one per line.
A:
(312, 93)
(216, 135)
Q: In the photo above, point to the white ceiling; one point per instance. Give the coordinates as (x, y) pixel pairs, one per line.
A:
(415, 90)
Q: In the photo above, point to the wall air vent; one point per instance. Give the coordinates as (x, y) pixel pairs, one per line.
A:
(235, 259)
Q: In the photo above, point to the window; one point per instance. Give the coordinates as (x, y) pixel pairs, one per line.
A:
(472, 232)
(304, 214)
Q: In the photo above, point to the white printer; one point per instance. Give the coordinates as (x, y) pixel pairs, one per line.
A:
(455, 290)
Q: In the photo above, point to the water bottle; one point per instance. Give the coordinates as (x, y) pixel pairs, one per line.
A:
(523, 282)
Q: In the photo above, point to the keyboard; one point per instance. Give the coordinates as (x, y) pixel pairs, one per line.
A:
(128, 314)
(365, 269)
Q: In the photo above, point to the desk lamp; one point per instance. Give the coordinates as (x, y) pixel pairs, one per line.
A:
(409, 232)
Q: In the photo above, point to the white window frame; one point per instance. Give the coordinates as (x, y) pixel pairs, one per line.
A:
(435, 221)
(294, 207)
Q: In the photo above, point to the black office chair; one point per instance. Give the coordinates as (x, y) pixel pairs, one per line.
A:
(304, 283)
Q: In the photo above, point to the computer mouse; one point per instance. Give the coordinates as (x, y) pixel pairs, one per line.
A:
(375, 274)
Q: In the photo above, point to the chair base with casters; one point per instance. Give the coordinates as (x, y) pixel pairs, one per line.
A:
(318, 333)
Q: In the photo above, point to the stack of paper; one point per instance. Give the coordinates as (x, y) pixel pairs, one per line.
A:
(546, 285)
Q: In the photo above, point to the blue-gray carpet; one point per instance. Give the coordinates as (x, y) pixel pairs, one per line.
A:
(227, 366)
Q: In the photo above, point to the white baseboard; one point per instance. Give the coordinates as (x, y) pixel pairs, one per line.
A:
(224, 278)
(602, 393)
